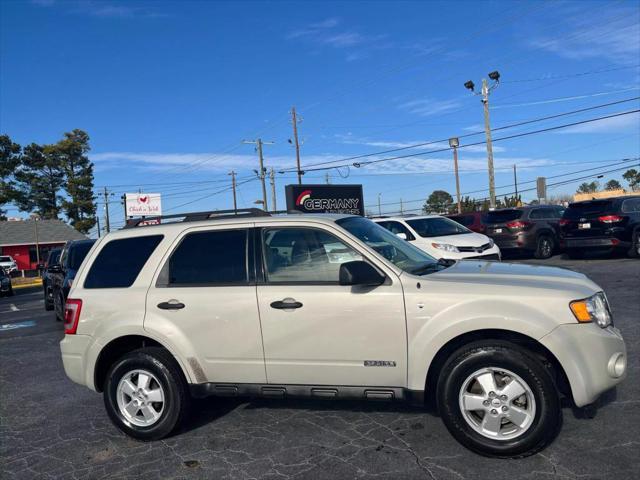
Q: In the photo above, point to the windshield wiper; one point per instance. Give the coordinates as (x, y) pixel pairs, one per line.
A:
(427, 268)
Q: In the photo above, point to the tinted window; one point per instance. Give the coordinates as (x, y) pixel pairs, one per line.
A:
(436, 227)
(631, 205)
(304, 255)
(5, 259)
(120, 261)
(502, 216)
(582, 209)
(465, 220)
(54, 256)
(210, 258)
(538, 213)
(396, 227)
(76, 254)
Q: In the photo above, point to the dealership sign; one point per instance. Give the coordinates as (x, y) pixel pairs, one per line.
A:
(142, 204)
(325, 199)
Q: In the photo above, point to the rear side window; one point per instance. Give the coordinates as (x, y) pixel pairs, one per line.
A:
(501, 216)
(465, 220)
(120, 261)
(210, 258)
(582, 209)
(631, 205)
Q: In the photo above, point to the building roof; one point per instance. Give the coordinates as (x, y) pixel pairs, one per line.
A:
(49, 231)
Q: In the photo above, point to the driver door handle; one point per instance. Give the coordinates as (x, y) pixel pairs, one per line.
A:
(286, 304)
(171, 305)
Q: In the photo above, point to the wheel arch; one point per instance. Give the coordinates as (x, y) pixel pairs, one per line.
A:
(120, 346)
(531, 344)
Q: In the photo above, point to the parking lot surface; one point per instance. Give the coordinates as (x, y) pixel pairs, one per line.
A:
(53, 428)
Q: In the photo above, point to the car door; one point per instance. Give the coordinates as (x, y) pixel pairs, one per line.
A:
(203, 300)
(317, 332)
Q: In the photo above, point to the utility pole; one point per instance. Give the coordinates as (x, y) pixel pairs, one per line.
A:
(98, 221)
(487, 130)
(35, 224)
(379, 209)
(454, 143)
(233, 187)
(272, 181)
(401, 208)
(106, 210)
(294, 120)
(326, 178)
(261, 173)
(515, 182)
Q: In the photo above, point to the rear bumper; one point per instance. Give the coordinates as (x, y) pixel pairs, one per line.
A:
(594, 242)
(74, 353)
(593, 358)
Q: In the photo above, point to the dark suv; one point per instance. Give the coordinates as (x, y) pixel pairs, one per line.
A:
(474, 221)
(533, 228)
(71, 258)
(609, 224)
(52, 266)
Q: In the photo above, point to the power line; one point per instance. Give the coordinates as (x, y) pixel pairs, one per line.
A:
(209, 195)
(571, 75)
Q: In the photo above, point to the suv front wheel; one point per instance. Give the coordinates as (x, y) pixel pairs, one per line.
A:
(145, 394)
(499, 400)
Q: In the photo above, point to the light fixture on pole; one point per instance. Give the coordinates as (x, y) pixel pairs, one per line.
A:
(454, 143)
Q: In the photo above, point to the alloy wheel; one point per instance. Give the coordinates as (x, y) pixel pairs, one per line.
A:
(140, 398)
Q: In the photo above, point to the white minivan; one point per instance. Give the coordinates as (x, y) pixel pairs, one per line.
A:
(441, 237)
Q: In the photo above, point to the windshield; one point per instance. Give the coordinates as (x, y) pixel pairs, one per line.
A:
(77, 253)
(399, 252)
(5, 259)
(581, 209)
(436, 227)
(502, 216)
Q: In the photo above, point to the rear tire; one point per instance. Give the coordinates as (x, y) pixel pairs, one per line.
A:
(634, 251)
(48, 304)
(487, 427)
(162, 401)
(544, 247)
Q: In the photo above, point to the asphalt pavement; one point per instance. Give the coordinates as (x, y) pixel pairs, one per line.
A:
(53, 428)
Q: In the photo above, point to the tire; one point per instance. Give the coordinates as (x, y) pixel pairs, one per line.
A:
(575, 253)
(544, 247)
(166, 377)
(48, 304)
(634, 251)
(11, 293)
(60, 310)
(541, 402)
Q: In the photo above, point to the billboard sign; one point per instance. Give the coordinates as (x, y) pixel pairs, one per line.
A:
(142, 204)
(325, 199)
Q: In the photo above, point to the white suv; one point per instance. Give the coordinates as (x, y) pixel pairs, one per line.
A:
(441, 237)
(8, 264)
(333, 306)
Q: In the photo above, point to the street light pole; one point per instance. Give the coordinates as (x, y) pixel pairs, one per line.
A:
(454, 143)
(487, 130)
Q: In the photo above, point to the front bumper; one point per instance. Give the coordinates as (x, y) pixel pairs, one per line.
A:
(492, 253)
(593, 358)
(74, 351)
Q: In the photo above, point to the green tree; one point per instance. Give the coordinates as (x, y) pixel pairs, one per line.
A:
(588, 187)
(632, 176)
(438, 202)
(9, 161)
(512, 201)
(612, 185)
(39, 178)
(468, 204)
(78, 169)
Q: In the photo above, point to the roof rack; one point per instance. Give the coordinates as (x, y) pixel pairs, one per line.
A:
(196, 217)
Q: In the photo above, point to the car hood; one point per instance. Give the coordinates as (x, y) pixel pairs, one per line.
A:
(513, 277)
(470, 239)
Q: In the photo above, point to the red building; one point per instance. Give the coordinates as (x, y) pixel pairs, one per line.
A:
(24, 239)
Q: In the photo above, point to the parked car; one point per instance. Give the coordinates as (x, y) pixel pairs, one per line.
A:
(6, 289)
(534, 229)
(610, 224)
(51, 267)
(247, 304)
(472, 220)
(61, 279)
(441, 237)
(8, 264)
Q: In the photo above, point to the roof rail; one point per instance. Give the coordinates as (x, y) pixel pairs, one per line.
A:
(196, 217)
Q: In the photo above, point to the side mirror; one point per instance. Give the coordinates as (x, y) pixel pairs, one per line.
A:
(41, 266)
(55, 268)
(402, 235)
(359, 272)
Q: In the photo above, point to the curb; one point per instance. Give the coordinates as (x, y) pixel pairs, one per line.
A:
(27, 285)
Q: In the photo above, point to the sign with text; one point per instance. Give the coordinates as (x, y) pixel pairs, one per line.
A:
(325, 199)
(143, 204)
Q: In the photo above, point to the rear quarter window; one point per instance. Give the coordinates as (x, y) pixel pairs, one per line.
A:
(631, 205)
(119, 262)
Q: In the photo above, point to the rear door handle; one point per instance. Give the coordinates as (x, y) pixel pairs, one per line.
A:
(171, 305)
(286, 304)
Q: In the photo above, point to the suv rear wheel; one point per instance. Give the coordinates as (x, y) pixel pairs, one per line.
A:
(544, 247)
(145, 394)
(499, 401)
(634, 251)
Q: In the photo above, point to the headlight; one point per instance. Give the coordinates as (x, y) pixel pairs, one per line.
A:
(593, 309)
(446, 247)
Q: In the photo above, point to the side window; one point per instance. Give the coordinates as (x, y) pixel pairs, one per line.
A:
(209, 258)
(120, 261)
(536, 214)
(631, 205)
(397, 227)
(300, 255)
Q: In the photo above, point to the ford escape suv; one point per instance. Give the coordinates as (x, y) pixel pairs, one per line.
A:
(333, 306)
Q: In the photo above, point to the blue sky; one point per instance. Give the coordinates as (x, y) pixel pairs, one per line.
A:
(168, 90)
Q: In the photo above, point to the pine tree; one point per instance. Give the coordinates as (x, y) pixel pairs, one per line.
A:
(39, 177)
(9, 161)
(79, 207)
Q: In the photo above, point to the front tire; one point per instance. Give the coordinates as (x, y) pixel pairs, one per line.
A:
(145, 394)
(498, 400)
(48, 303)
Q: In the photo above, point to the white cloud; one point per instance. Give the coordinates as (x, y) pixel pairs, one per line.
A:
(352, 140)
(609, 125)
(97, 8)
(427, 106)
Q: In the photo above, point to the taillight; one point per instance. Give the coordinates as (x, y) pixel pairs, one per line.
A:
(610, 218)
(71, 315)
(564, 221)
(518, 224)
